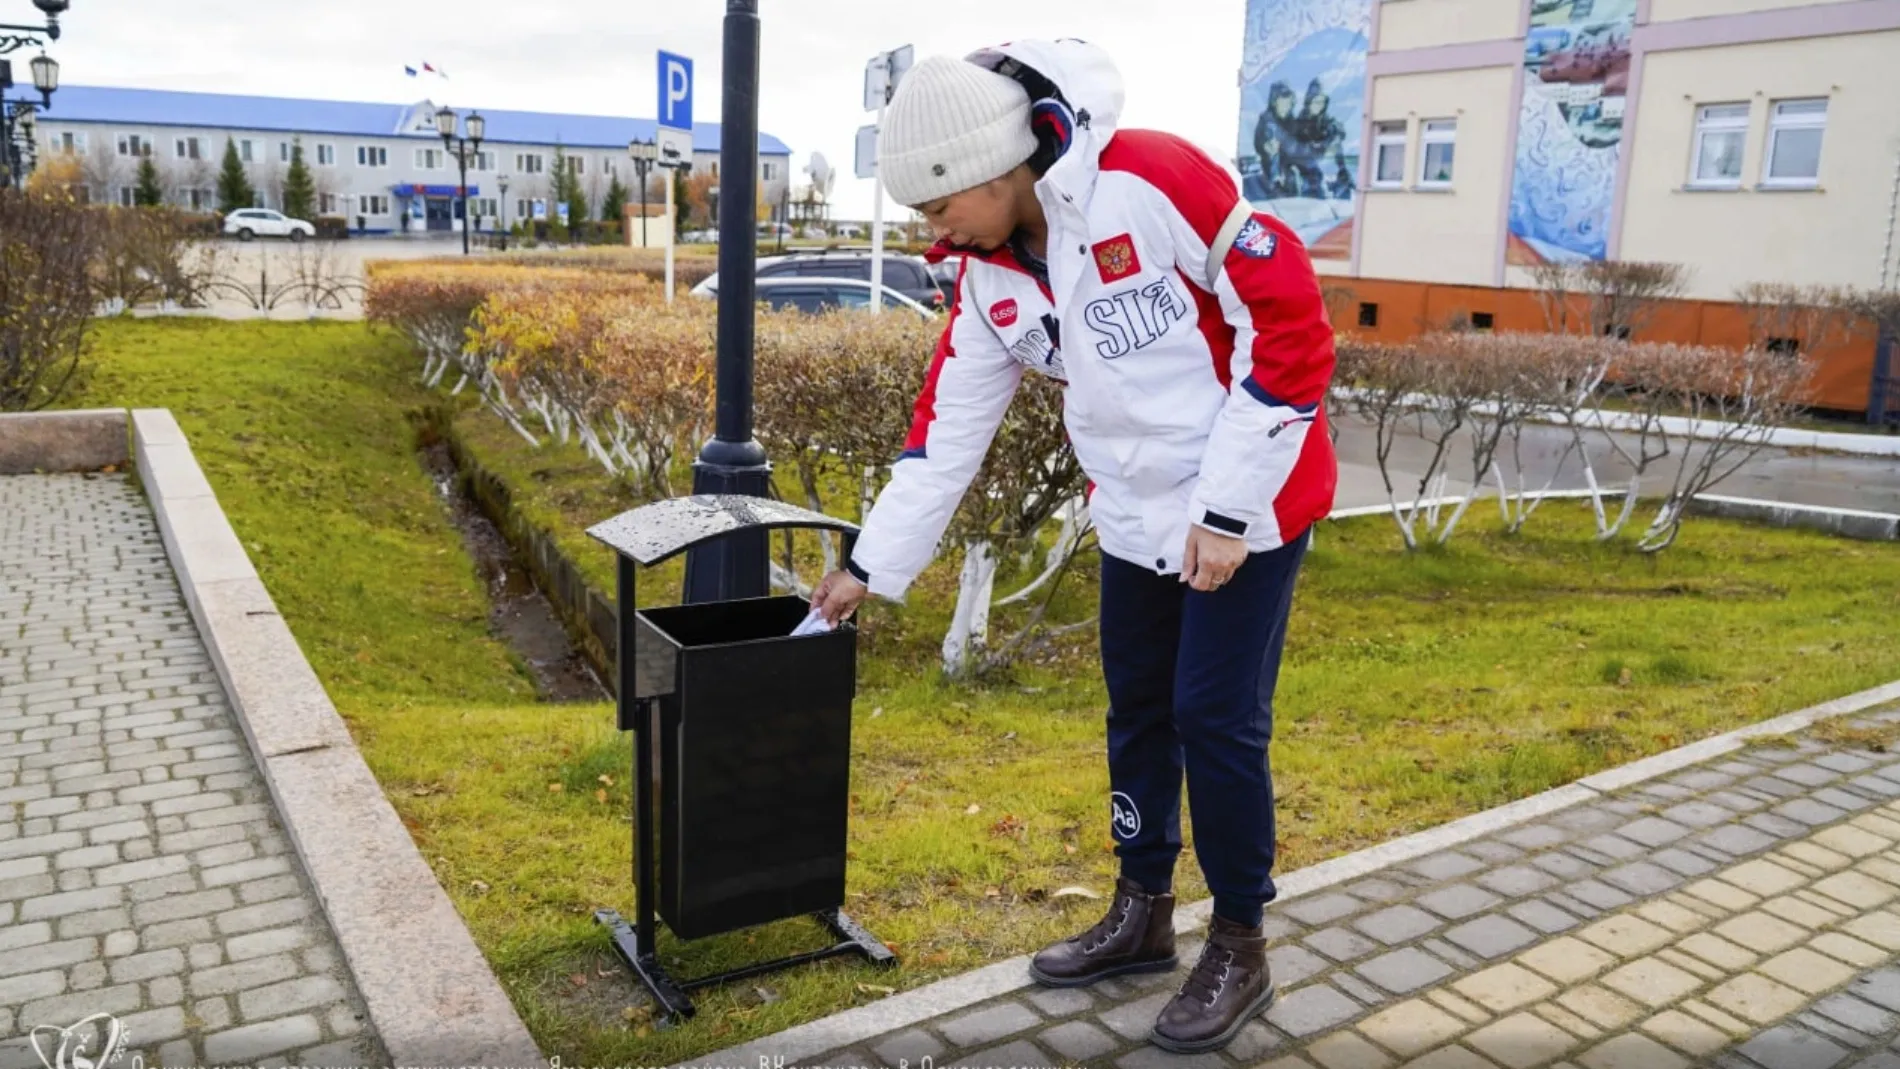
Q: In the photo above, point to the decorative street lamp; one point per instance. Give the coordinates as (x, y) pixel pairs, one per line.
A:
(18, 148)
(21, 36)
(461, 147)
(644, 153)
(501, 184)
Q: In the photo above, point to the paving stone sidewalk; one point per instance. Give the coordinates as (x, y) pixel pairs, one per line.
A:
(142, 872)
(1743, 913)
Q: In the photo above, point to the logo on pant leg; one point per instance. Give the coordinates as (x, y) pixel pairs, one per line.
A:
(1123, 818)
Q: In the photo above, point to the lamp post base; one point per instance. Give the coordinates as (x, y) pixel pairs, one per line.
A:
(735, 566)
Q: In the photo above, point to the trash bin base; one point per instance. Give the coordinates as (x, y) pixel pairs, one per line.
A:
(670, 995)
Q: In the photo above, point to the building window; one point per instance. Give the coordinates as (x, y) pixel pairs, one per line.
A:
(1482, 320)
(1388, 154)
(71, 144)
(283, 152)
(483, 206)
(326, 155)
(715, 169)
(770, 171)
(244, 151)
(1721, 131)
(608, 166)
(326, 204)
(200, 200)
(187, 148)
(372, 156)
(1794, 142)
(134, 145)
(429, 159)
(1368, 314)
(481, 161)
(1436, 140)
(80, 192)
(530, 163)
(127, 196)
(372, 204)
(576, 165)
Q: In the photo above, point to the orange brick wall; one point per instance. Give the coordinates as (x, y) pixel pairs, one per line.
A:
(1843, 373)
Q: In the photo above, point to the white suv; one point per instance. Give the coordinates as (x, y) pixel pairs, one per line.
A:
(248, 223)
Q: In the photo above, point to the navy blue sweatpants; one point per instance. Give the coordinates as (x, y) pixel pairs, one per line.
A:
(1190, 688)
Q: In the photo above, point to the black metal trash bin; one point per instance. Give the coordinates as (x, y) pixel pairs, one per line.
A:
(744, 733)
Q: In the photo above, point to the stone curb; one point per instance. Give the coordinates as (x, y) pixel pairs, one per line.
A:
(1848, 523)
(432, 998)
(953, 993)
(80, 440)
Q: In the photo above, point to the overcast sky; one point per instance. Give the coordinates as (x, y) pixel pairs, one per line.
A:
(597, 56)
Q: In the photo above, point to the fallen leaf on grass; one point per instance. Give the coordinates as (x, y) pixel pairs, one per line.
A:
(992, 891)
(600, 795)
(876, 989)
(877, 712)
(478, 887)
(1009, 825)
(423, 791)
(1068, 848)
(1073, 892)
(555, 788)
(578, 979)
(1623, 677)
(766, 995)
(973, 810)
(606, 780)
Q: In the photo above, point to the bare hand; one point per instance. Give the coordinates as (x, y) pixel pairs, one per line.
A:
(1211, 558)
(838, 596)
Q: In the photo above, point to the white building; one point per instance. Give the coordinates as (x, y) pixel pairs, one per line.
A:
(380, 166)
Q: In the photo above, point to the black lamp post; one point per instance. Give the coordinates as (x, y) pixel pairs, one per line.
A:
(21, 36)
(17, 118)
(501, 185)
(644, 153)
(734, 462)
(461, 146)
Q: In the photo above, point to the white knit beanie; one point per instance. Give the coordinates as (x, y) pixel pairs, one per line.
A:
(951, 125)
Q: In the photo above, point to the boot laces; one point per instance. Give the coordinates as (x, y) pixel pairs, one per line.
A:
(1210, 974)
(1109, 926)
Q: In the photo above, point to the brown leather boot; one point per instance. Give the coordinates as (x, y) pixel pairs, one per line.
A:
(1229, 986)
(1137, 935)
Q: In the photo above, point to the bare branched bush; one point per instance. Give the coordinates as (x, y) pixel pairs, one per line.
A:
(47, 243)
(1786, 318)
(1615, 298)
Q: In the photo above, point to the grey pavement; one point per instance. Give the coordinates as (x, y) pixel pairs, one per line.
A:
(142, 871)
(1793, 477)
(1742, 913)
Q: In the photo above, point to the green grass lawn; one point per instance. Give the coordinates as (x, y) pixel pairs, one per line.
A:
(1417, 689)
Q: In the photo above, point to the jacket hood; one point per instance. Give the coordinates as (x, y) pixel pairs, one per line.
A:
(1083, 73)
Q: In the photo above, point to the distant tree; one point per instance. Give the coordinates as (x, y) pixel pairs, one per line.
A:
(613, 205)
(149, 193)
(300, 189)
(234, 188)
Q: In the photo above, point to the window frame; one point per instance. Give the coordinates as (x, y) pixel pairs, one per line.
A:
(1387, 135)
(372, 157)
(1445, 134)
(1779, 124)
(1708, 124)
(326, 154)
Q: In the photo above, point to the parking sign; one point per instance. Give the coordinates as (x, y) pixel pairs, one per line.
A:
(675, 109)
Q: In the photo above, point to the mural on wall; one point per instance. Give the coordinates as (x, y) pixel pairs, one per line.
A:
(1570, 129)
(1302, 110)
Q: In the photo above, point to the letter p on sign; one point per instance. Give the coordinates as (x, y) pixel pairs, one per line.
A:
(676, 91)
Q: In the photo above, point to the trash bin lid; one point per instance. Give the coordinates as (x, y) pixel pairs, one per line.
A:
(652, 533)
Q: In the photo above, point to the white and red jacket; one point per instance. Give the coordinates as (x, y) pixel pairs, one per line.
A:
(1185, 403)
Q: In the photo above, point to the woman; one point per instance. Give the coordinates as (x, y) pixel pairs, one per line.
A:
(1196, 350)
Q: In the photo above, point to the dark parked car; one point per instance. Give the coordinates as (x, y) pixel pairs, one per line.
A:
(908, 275)
(818, 294)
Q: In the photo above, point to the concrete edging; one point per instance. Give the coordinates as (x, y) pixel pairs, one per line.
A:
(953, 993)
(77, 440)
(432, 997)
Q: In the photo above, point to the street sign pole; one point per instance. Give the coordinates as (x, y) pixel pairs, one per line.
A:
(877, 197)
(733, 462)
(675, 122)
(671, 219)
